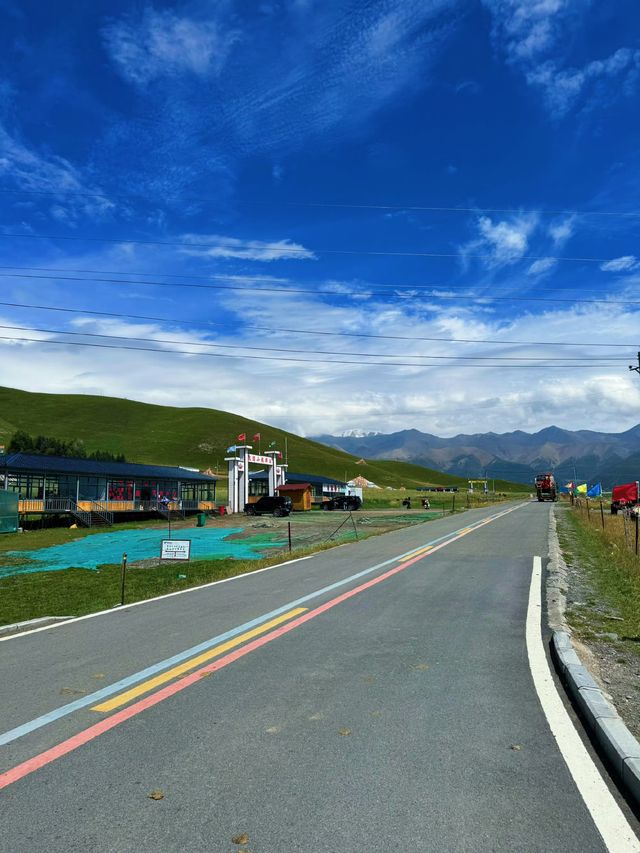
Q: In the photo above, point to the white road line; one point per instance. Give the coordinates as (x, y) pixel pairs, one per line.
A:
(611, 823)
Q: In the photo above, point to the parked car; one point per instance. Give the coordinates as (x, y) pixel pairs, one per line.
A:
(349, 503)
(270, 505)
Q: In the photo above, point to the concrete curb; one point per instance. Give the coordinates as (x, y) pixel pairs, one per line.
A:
(19, 627)
(600, 717)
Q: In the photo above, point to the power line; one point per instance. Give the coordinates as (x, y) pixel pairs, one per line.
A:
(295, 250)
(209, 324)
(428, 292)
(260, 279)
(547, 359)
(313, 361)
(329, 204)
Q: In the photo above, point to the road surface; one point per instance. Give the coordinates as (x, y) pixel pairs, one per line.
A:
(374, 698)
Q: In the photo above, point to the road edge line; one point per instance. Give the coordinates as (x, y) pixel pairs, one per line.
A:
(615, 830)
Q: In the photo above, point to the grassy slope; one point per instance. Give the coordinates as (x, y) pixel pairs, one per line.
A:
(194, 437)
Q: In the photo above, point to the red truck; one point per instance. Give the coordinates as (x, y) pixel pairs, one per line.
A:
(624, 497)
(546, 487)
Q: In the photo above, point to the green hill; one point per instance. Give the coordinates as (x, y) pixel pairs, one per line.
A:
(194, 437)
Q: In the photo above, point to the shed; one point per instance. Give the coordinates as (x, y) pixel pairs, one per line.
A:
(300, 494)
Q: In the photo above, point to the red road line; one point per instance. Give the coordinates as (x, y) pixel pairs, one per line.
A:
(37, 762)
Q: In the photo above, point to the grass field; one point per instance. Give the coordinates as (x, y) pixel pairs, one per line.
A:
(193, 437)
(613, 572)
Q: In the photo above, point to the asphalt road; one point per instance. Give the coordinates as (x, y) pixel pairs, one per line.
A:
(400, 718)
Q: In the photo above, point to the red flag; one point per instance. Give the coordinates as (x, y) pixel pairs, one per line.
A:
(242, 436)
(256, 437)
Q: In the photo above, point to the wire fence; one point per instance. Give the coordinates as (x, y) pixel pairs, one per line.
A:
(621, 528)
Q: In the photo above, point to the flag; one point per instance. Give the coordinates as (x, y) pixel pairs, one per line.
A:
(273, 444)
(231, 449)
(569, 485)
(279, 454)
(595, 491)
(582, 489)
(242, 436)
(256, 437)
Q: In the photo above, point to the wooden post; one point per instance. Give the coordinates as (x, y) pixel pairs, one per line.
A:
(453, 504)
(624, 524)
(123, 576)
(636, 534)
(588, 514)
(602, 514)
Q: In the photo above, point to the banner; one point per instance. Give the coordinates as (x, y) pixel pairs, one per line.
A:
(595, 491)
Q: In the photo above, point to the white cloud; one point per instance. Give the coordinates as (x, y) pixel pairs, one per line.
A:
(561, 231)
(502, 243)
(541, 266)
(366, 394)
(527, 28)
(156, 44)
(562, 88)
(31, 170)
(533, 36)
(217, 246)
(622, 264)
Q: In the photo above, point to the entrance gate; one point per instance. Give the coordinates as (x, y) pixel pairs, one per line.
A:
(239, 474)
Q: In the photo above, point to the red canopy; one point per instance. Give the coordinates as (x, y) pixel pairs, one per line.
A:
(626, 492)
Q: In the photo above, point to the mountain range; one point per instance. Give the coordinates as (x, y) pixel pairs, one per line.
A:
(582, 455)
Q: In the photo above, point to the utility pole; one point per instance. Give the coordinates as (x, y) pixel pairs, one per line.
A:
(637, 369)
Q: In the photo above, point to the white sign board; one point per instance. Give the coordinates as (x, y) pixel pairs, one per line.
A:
(261, 460)
(175, 549)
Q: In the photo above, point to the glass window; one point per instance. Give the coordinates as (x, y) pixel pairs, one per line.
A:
(92, 489)
(120, 490)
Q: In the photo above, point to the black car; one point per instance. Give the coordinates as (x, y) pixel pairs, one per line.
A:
(270, 505)
(348, 503)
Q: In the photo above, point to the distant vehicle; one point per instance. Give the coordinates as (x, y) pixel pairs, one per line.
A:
(277, 505)
(348, 503)
(546, 487)
(625, 497)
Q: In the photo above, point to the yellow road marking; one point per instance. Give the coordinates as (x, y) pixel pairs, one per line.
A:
(146, 686)
(413, 554)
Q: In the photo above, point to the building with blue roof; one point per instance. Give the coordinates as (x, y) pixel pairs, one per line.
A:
(322, 487)
(95, 492)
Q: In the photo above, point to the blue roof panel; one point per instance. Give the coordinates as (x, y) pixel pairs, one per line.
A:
(39, 464)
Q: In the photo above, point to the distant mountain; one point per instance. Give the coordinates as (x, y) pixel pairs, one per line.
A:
(517, 456)
(357, 433)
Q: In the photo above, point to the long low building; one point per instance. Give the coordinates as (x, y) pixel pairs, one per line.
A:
(93, 491)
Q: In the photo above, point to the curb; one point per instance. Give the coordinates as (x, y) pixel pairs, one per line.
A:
(43, 621)
(602, 721)
(601, 718)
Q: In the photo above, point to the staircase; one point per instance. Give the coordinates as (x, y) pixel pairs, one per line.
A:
(100, 514)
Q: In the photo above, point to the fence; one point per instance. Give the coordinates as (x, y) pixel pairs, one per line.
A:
(623, 527)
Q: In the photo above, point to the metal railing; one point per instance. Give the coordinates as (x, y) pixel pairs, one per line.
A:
(189, 505)
(102, 510)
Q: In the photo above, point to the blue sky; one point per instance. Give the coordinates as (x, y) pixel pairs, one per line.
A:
(373, 190)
